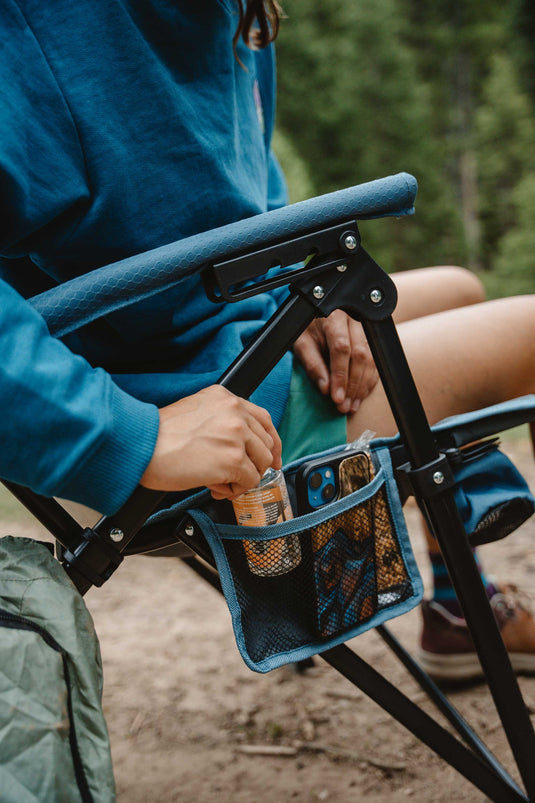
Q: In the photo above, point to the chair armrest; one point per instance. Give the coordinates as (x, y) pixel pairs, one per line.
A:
(100, 292)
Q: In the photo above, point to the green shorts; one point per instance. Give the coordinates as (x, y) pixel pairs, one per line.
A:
(310, 422)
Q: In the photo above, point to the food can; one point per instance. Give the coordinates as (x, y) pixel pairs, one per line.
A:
(262, 506)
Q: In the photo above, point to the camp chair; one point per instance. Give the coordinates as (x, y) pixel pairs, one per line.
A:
(235, 262)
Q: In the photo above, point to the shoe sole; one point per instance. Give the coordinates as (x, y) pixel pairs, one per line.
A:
(466, 666)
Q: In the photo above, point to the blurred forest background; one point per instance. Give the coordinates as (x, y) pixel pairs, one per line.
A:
(442, 89)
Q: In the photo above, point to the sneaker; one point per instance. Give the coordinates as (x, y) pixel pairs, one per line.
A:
(447, 651)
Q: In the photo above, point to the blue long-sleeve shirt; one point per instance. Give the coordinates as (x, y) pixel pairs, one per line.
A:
(123, 126)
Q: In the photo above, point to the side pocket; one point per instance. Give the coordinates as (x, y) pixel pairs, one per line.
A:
(355, 571)
(38, 745)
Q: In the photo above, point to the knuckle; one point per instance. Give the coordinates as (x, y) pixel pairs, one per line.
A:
(361, 352)
(340, 346)
(354, 386)
(338, 378)
(336, 317)
(264, 417)
(315, 371)
(237, 432)
(232, 402)
(269, 443)
(236, 463)
(220, 392)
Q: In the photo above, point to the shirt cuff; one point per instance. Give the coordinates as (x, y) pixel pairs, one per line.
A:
(112, 472)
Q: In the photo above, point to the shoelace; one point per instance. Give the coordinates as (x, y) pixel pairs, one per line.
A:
(509, 600)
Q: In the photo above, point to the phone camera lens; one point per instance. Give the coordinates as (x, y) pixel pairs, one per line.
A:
(315, 480)
(327, 492)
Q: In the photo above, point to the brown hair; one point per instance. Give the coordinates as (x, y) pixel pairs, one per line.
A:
(267, 14)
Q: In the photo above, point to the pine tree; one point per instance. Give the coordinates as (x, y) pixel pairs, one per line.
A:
(514, 265)
(505, 127)
(351, 103)
(454, 42)
(522, 31)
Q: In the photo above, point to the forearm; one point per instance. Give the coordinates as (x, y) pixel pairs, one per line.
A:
(66, 429)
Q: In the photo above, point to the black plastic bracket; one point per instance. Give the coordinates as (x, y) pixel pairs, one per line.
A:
(359, 286)
(426, 481)
(86, 559)
(253, 272)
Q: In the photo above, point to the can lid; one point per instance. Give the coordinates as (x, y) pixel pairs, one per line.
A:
(269, 476)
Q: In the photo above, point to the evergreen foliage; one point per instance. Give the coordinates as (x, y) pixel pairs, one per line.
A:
(505, 136)
(444, 90)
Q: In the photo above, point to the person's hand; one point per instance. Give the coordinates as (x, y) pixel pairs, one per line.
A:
(216, 439)
(336, 356)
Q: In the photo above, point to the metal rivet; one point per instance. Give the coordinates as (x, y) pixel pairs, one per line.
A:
(376, 296)
(341, 268)
(116, 534)
(438, 477)
(350, 242)
(318, 291)
(189, 529)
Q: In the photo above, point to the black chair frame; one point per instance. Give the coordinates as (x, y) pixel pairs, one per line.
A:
(341, 275)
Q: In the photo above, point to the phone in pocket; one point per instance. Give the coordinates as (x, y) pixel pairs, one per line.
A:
(342, 547)
(328, 478)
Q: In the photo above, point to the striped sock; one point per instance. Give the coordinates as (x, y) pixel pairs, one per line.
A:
(443, 591)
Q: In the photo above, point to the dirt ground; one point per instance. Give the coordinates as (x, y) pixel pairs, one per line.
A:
(184, 711)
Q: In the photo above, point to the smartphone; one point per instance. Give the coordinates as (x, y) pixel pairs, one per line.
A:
(342, 549)
(319, 482)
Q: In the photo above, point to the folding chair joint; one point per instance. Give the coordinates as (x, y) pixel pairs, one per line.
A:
(91, 554)
(427, 481)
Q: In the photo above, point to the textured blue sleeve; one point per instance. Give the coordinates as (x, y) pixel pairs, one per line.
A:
(277, 188)
(136, 278)
(66, 429)
(39, 152)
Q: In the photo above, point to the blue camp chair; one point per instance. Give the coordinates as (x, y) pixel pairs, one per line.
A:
(291, 617)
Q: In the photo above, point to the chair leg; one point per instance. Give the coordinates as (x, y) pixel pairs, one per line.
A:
(449, 531)
(476, 769)
(443, 704)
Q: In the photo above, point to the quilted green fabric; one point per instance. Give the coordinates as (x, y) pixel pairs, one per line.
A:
(54, 743)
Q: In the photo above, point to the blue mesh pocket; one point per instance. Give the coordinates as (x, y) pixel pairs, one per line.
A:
(355, 570)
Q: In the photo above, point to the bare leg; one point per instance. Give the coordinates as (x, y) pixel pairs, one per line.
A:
(462, 359)
(426, 291)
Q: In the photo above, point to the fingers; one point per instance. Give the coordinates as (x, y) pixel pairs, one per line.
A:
(258, 446)
(310, 349)
(362, 374)
(216, 439)
(338, 337)
(230, 490)
(262, 447)
(362, 379)
(264, 429)
(336, 356)
(247, 468)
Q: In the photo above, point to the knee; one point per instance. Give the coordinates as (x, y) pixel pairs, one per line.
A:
(523, 309)
(466, 285)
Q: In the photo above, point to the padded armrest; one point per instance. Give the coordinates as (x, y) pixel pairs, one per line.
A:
(82, 300)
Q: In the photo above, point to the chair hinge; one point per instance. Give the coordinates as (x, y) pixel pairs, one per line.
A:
(428, 480)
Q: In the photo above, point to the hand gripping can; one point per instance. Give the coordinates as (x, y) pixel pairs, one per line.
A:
(262, 506)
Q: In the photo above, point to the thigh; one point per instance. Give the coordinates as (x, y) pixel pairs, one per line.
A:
(461, 360)
(426, 291)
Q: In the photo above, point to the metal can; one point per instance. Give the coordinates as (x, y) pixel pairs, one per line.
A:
(262, 506)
